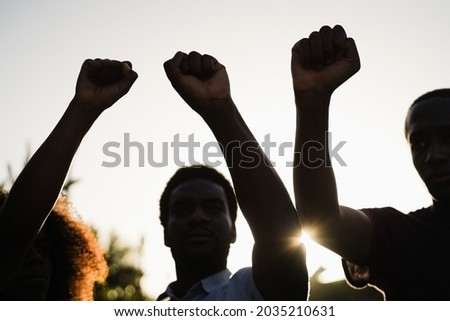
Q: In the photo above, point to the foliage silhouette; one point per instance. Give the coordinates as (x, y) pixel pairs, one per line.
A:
(123, 281)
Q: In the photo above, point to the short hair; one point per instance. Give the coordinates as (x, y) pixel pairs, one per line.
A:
(78, 260)
(188, 173)
(442, 92)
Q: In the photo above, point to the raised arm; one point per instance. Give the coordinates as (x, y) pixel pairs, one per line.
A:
(279, 269)
(320, 64)
(100, 84)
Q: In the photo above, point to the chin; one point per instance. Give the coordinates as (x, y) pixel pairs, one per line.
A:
(26, 290)
(441, 198)
(199, 254)
(33, 295)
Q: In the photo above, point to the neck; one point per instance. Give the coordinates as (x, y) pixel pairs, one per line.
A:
(190, 273)
(441, 207)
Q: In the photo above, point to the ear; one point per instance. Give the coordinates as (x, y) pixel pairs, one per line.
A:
(233, 234)
(166, 239)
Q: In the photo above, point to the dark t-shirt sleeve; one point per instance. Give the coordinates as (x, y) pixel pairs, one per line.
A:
(357, 275)
(386, 222)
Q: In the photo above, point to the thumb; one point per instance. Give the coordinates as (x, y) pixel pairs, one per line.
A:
(128, 72)
(351, 53)
(210, 65)
(217, 65)
(129, 77)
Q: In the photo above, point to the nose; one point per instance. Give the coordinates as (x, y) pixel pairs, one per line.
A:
(199, 216)
(435, 153)
(33, 256)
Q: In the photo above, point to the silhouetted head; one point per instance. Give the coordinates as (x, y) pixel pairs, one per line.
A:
(198, 211)
(63, 262)
(427, 129)
(196, 172)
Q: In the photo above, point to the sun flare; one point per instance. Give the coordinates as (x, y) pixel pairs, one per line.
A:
(305, 239)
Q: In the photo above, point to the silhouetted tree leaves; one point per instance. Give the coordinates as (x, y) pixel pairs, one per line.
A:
(124, 278)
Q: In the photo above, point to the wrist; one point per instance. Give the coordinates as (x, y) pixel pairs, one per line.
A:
(319, 96)
(87, 109)
(312, 101)
(218, 110)
(84, 114)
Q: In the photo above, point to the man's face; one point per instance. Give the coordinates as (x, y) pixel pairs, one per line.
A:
(199, 224)
(429, 136)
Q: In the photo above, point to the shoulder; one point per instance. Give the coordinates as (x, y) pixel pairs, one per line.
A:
(392, 215)
(381, 211)
(420, 213)
(380, 215)
(243, 276)
(243, 273)
(242, 287)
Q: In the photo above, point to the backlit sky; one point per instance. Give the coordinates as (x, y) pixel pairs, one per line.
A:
(404, 52)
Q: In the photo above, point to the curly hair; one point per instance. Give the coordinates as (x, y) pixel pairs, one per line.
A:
(77, 259)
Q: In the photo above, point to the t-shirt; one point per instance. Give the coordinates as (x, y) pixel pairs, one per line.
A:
(410, 255)
(221, 286)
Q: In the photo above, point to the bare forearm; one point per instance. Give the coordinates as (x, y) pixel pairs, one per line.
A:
(314, 181)
(262, 196)
(100, 83)
(279, 268)
(343, 230)
(39, 184)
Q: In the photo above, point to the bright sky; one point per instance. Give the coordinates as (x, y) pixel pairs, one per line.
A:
(404, 52)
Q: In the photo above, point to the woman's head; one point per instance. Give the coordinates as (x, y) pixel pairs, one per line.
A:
(63, 262)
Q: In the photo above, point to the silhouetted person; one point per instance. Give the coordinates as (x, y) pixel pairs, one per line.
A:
(31, 199)
(200, 211)
(404, 255)
(63, 262)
